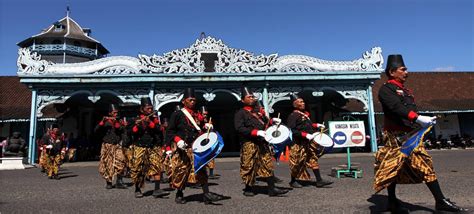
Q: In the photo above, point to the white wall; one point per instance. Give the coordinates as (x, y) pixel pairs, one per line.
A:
(447, 125)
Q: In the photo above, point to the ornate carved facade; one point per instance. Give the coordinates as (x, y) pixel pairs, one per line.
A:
(208, 65)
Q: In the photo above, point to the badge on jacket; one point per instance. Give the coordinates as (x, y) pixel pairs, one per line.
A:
(399, 92)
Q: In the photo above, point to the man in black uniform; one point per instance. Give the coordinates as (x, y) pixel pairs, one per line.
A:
(255, 153)
(54, 142)
(303, 152)
(147, 152)
(112, 159)
(391, 165)
(185, 126)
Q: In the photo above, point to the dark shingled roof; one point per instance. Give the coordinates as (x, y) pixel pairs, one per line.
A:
(15, 99)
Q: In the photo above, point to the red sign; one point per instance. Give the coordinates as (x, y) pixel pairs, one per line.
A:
(357, 137)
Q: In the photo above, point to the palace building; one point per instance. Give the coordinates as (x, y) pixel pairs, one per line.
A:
(71, 80)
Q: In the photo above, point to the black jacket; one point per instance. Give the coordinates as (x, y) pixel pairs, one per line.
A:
(112, 134)
(56, 142)
(180, 127)
(397, 103)
(147, 133)
(300, 124)
(247, 123)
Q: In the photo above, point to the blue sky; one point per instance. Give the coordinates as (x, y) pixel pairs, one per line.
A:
(432, 35)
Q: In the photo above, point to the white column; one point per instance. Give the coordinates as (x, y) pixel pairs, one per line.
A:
(32, 136)
(265, 100)
(371, 115)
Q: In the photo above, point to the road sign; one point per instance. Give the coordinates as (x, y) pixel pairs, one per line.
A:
(339, 138)
(347, 133)
(357, 137)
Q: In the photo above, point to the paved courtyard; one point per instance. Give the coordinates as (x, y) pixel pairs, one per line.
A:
(81, 190)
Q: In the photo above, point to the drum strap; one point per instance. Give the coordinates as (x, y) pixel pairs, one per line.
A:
(256, 117)
(302, 114)
(188, 115)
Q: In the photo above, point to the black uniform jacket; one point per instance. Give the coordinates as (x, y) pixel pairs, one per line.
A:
(398, 106)
(112, 130)
(181, 128)
(300, 125)
(55, 140)
(247, 123)
(147, 133)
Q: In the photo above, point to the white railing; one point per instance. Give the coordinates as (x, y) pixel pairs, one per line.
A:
(62, 47)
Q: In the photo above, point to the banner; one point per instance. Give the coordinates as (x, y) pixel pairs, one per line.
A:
(414, 141)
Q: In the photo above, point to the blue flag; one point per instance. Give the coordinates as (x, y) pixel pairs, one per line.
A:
(414, 141)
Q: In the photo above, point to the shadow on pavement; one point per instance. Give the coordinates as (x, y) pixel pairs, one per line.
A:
(257, 189)
(66, 176)
(380, 205)
(199, 198)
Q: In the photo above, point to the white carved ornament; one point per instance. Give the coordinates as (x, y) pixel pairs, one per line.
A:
(50, 96)
(188, 60)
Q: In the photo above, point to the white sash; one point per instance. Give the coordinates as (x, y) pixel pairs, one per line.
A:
(188, 115)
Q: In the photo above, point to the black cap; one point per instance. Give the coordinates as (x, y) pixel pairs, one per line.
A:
(188, 92)
(294, 97)
(394, 61)
(245, 91)
(112, 107)
(145, 101)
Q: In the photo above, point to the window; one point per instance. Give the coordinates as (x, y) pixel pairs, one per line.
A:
(58, 27)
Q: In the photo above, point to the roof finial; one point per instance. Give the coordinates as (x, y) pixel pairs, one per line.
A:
(67, 11)
(202, 36)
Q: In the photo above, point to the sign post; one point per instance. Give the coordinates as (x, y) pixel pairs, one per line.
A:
(347, 134)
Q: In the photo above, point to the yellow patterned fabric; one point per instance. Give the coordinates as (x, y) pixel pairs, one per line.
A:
(42, 159)
(211, 164)
(166, 160)
(52, 164)
(128, 152)
(182, 168)
(255, 160)
(145, 162)
(192, 176)
(391, 165)
(112, 161)
(303, 157)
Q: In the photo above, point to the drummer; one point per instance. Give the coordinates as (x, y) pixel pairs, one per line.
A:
(303, 152)
(255, 154)
(212, 164)
(184, 127)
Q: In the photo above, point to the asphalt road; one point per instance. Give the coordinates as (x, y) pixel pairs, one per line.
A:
(81, 190)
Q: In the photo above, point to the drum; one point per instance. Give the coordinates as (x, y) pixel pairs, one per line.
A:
(205, 148)
(280, 137)
(324, 143)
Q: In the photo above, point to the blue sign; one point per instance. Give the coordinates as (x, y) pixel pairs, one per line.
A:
(339, 138)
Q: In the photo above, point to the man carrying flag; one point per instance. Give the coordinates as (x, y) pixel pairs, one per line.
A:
(402, 161)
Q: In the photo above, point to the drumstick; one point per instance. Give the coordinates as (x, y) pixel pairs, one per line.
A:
(321, 133)
(278, 118)
(209, 128)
